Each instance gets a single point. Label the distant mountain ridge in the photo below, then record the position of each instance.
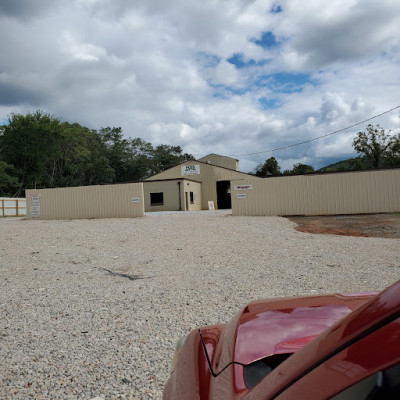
(351, 164)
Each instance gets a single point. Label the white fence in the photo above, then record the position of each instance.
(11, 207)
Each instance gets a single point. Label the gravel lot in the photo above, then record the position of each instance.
(76, 324)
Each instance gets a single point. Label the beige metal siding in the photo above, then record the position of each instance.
(221, 161)
(195, 188)
(327, 194)
(108, 201)
(213, 174)
(176, 172)
(170, 190)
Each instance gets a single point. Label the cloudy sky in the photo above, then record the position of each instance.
(232, 77)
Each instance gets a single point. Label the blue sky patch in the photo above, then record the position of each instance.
(267, 41)
(276, 9)
(238, 61)
(269, 103)
(226, 92)
(284, 82)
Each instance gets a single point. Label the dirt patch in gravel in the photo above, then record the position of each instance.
(369, 225)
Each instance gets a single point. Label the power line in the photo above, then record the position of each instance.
(316, 138)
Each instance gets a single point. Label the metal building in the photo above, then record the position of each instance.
(196, 184)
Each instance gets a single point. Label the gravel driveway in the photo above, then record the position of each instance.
(93, 308)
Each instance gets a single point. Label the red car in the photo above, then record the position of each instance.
(342, 346)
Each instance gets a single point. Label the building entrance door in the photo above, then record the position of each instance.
(224, 195)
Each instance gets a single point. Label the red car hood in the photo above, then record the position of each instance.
(282, 331)
(277, 326)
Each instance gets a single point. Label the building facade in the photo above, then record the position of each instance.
(172, 195)
(196, 184)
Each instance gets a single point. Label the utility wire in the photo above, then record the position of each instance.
(316, 138)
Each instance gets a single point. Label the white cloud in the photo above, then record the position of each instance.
(160, 70)
(341, 30)
(80, 51)
(333, 107)
(225, 74)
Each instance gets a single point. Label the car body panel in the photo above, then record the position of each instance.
(192, 365)
(257, 331)
(374, 313)
(283, 331)
(314, 328)
(354, 363)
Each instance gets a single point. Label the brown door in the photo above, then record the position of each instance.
(187, 200)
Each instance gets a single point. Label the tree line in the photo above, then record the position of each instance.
(39, 151)
(375, 147)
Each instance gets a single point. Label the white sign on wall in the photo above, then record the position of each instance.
(190, 170)
(135, 199)
(211, 206)
(241, 196)
(243, 187)
(34, 205)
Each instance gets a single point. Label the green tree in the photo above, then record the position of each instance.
(354, 164)
(83, 160)
(165, 156)
(31, 143)
(39, 151)
(377, 147)
(300, 169)
(393, 154)
(131, 159)
(270, 167)
(141, 153)
(116, 151)
(8, 182)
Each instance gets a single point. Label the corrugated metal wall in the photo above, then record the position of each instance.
(195, 188)
(210, 175)
(325, 194)
(108, 201)
(221, 161)
(171, 194)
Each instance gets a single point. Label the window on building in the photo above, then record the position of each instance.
(156, 199)
(191, 198)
